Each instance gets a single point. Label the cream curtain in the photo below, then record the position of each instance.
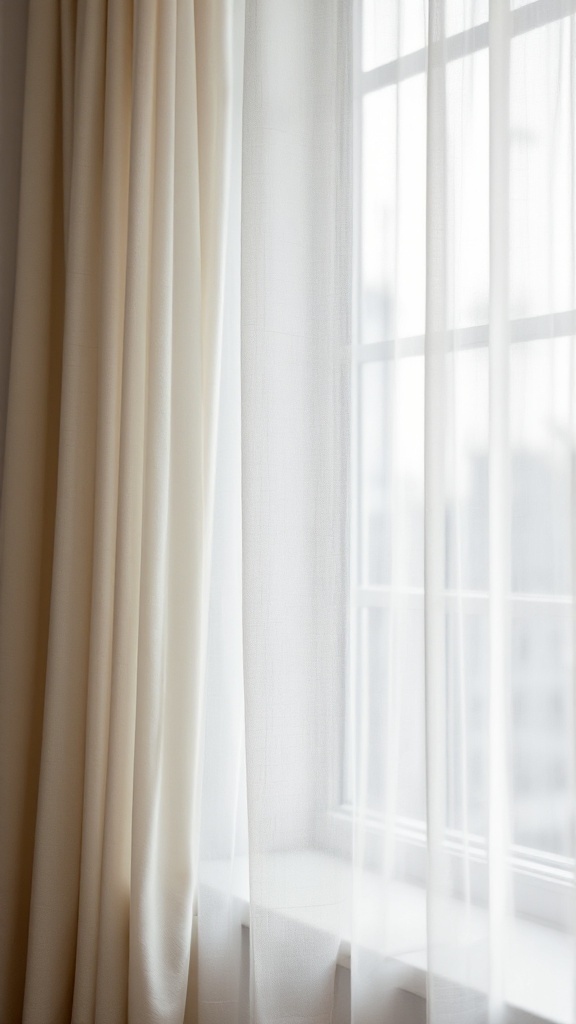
(107, 485)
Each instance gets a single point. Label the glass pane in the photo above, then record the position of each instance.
(468, 220)
(467, 716)
(394, 212)
(392, 749)
(541, 657)
(378, 215)
(467, 470)
(541, 229)
(540, 383)
(391, 498)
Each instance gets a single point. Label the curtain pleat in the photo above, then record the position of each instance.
(13, 26)
(294, 382)
(441, 939)
(97, 812)
(29, 487)
(499, 507)
(58, 832)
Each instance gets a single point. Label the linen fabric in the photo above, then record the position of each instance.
(105, 515)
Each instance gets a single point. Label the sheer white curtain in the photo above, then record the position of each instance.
(281, 625)
(392, 628)
(466, 415)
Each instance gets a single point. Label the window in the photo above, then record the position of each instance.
(388, 441)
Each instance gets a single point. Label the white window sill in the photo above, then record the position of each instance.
(539, 983)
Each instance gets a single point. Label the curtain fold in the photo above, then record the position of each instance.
(287, 383)
(107, 502)
(294, 380)
(13, 24)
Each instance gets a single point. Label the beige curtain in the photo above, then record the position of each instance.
(104, 535)
(13, 20)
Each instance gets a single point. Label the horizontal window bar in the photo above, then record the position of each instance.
(462, 44)
(528, 860)
(532, 328)
(380, 597)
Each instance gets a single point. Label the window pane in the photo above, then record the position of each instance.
(394, 212)
(378, 215)
(466, 716)
(540, 385)
(392, 472)
(468, 149)
(391, 742)
(467, 470)
(541, 228)
(541, 655)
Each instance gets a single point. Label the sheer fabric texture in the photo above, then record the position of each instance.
(389, 764)
(113, 353)
(286, 419)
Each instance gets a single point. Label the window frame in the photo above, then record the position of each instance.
(540, 879)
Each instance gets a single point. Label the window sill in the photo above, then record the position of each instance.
(539, 987)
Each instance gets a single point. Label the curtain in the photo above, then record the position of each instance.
(113, 360)
(466, 505)
(13, 20)
(279, 608)
(387, 820)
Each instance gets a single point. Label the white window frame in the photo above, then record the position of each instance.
(540, 879)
